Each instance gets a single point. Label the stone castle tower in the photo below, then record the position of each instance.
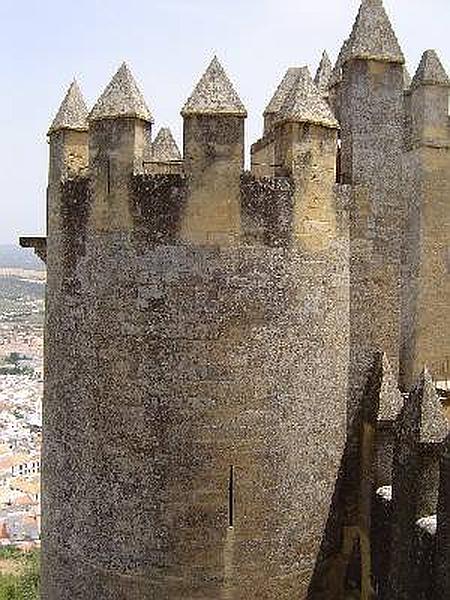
(224, 348)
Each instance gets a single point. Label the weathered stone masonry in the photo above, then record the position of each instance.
(222, 415)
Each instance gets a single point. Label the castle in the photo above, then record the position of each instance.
(243, 368)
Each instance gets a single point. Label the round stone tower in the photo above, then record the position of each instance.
(197, 355)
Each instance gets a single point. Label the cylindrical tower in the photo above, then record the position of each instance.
(196, 453)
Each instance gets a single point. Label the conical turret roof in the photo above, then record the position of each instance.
(323, 74)
(214, 94)
(121, 98)
(304, 104)
(289, 80)
(164, 148)
(72, 113)
(430, 71)
(372, 37)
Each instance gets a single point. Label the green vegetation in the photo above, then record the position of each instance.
(19, 574)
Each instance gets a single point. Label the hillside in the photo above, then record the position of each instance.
(15, 257)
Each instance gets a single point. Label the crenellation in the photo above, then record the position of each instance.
(163, 156)
(429, 103)
(235, 401)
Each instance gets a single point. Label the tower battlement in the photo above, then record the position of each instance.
(224, 348)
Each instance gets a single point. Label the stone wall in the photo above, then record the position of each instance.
(372, 136)
(426, 281)
(195, 400)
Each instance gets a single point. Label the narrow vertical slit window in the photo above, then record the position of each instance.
(231, 498)
(339, 160)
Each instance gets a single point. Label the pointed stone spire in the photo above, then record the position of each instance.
(323, 74)
(121, 98)
(372, 37)
(289, 80)
(434, 425)
(430, 71)
(214, 94)
(304, 104)
(336, 74)
(72, 113)
(164, 148)
(383, 400)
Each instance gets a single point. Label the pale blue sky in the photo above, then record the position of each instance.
(168, 44)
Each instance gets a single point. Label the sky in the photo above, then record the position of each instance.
(168, 44)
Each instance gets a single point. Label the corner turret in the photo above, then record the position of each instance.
(305, 149)
(429, 101)
(213, 159)
(426, 185)
(68, 141)
(119, 131)
(73, 113)
(289, 81)
(371, 114)
(263, 151)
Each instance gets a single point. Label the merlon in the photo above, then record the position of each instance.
(72, 113)
(304, 104)
(372, 37)
(164, 148)
(289, 80)
(121, 98)
(214, 94)
(430, 71)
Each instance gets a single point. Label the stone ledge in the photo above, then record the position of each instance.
(39, 245)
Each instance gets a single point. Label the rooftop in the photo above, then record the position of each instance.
(287, 83)
(373, 37)
(72, 113)
(305, 104)
(214, 94)
(430, 71)
(164, 148)
(121, 98)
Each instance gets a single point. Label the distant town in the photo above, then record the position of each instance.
(22, 282)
